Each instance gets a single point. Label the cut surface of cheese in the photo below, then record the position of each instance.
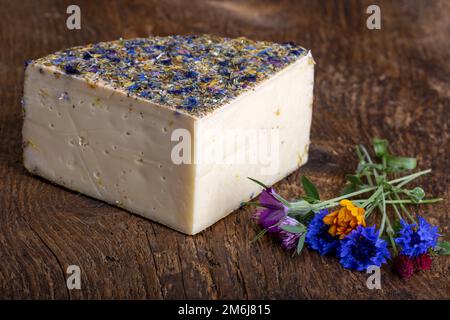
(169, 128)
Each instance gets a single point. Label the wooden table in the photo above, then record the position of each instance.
(391, 83)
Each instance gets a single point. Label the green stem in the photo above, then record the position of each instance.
(359, 202)
(373, 196)
(385, 218)
(324, 203)
(394, 247)
(369, 210)
(424, 201)
(397, 212)
(375, 174)
(406, 179)
(365, 190)
(390, 233)
(384, 166)
(384, 214)
(362, 158)
(410, 217)
(394, 202)
(403, 180)
(369, 160)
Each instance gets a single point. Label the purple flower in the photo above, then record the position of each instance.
(272, 216)
(288, 240)
(417, 239)
(272, 211)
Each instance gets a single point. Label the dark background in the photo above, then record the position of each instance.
(391, 83)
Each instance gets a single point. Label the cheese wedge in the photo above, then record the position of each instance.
(169, 128)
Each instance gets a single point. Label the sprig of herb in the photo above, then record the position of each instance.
(382, 191)
(373, 178)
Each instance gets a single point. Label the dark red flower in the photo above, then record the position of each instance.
(423, 262)
(404, 266)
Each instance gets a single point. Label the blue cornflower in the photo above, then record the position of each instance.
(133, 87)
(318, 237)
(363, 248)
(86, 55)
(71, 69)
(249, 77)
(112, 56)
(415, 240)
(191, 74)
(296, 52)
(166, 61)
(190, 102)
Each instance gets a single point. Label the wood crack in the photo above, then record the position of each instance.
(181, 269)
(53, 254)
(236, 265)
(154, 263)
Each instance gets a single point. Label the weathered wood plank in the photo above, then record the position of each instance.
(391, 82)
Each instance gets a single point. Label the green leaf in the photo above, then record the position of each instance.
(349, 188)
(398, 164)
(309, 199)
(258, 182)
(282, 200)
(301, 243)
(310, 188)
(294, 229)
(443, 248)
(393, 163)
(417, 194)
(380, 147)
(307, 217)
(354, 179)
(259, 235)
(371, 166)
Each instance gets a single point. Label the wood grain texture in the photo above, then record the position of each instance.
(391, 83)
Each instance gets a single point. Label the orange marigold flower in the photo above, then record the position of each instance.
(345, 220)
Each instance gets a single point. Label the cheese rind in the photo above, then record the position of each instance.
(97, 138)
